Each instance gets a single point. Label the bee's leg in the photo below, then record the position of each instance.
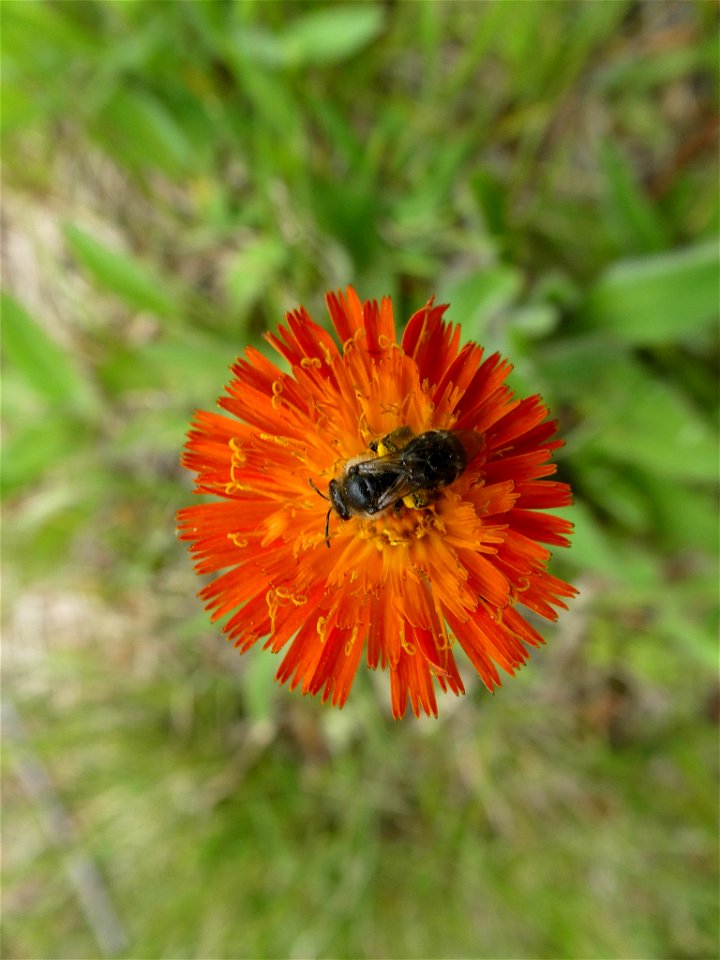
(418, 499)
(392, 442)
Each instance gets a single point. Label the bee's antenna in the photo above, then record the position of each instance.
(327, 518)
(316, 489)
(327, 528)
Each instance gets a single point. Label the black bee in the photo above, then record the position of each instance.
(408, 469)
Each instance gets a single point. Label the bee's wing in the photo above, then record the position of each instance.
(401, 487)
(390, 463)
(402, 484)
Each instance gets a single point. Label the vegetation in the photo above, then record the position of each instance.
(177, 176)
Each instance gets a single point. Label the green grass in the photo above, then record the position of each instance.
(176, 177)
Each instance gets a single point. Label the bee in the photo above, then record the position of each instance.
(407, 470)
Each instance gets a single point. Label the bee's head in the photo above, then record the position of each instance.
(338, 498)
(353, 494)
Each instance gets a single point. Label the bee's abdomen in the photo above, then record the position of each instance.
(436, 458)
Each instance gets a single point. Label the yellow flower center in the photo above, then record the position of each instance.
(401, 527)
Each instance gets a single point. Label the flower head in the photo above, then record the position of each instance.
(448, 559)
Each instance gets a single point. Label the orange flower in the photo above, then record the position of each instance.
(401, 587)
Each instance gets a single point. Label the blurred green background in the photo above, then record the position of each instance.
(176, 177)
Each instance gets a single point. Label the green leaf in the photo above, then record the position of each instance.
(478, 297)
(650, 424)
(648, 505)
(617, 492)
(273, 131)
(137, 128)
(657, 67)
(658, 299)
(350, 211)
(122, 274)
(637, 222)
(569, 366)
(688, 616)
(161, 431)
(324, 36)
(685, 517)
(45, 31)
(533, 321)
(44, 365)
(590, 548)
(259, 687)
(37, 448)
(593, 550)
(194, 366)
(490, 196)
(253, 270)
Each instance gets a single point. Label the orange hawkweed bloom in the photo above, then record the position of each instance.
(403, 588)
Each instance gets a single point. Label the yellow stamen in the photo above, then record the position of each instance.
(274, 438)
(272, 605)
(409, 648)
(351, 641)
(234, 538)
(238, 457)
(277, 389)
